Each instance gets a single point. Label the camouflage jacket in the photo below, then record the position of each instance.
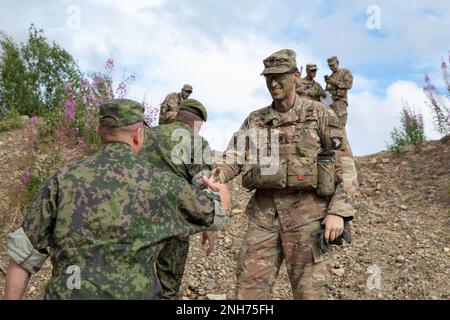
(108, 215)
(170, 107)
(309, 89)
(174, 147)
(309, 127)
(343, 82)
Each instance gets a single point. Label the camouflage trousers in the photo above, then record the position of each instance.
(170, 266)
(263, 252)
(340, 109)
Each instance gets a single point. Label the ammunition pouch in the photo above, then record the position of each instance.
(256, 178)
(326, 174)
(291, 174)
(302, 174)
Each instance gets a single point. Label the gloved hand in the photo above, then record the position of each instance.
(324, 246)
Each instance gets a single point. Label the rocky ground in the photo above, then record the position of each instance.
(401, 234)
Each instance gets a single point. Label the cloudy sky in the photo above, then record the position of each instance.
(218, 47)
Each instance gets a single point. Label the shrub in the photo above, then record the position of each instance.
(12, 120)
(411, 131)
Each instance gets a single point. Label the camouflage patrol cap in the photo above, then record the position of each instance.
(120, 112)
(332, 60)
(187, 87)
(311, 67)
(282, 61)
(195, 107)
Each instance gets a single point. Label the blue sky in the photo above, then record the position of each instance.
(218, 47)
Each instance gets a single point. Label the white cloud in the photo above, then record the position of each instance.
(371, 119)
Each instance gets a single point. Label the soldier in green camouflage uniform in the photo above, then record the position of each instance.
(177, 147)
(106, 217)
(338, 84)
(171, 104)
(308, 87)
(286, 207)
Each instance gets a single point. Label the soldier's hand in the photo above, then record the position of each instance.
(215, 175)
(334, 226)
(210, 237)
(224, 193)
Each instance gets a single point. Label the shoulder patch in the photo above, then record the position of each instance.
(334, 122)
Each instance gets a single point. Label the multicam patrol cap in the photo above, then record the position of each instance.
(195, 107)
(332, 60)
(187, 87)
(282, 61)
(311, 67)
(120, 112)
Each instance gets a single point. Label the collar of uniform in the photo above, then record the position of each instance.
(291, 115)
(117, 148)
(307, 80)
(184, 125)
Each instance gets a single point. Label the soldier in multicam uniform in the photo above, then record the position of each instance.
(308, 87)
(108, 216)
(190, 160)
(171, 104)
(338, 84)
(286, 207)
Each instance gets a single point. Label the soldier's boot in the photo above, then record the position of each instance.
(308, 268)
(258, 264)
(340, 109)
(170, 267)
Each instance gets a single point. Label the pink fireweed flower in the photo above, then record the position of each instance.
(68, 88)
(75, 131)
(69, 105)
(25, 177)
(33, 121)
(80, 143)
(96, 80)
(110, 64)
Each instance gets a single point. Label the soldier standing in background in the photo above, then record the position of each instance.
(308, 87)
(105, 218)
(171, 104)
(191, 163)
(291, 203)
(338, 84)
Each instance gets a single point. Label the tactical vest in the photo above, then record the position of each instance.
(300, 144)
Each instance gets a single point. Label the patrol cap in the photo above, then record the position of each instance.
(311, 67)
(332, 60)
(187, 87)
(120, 112)
(195, 107)
(282, 61)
